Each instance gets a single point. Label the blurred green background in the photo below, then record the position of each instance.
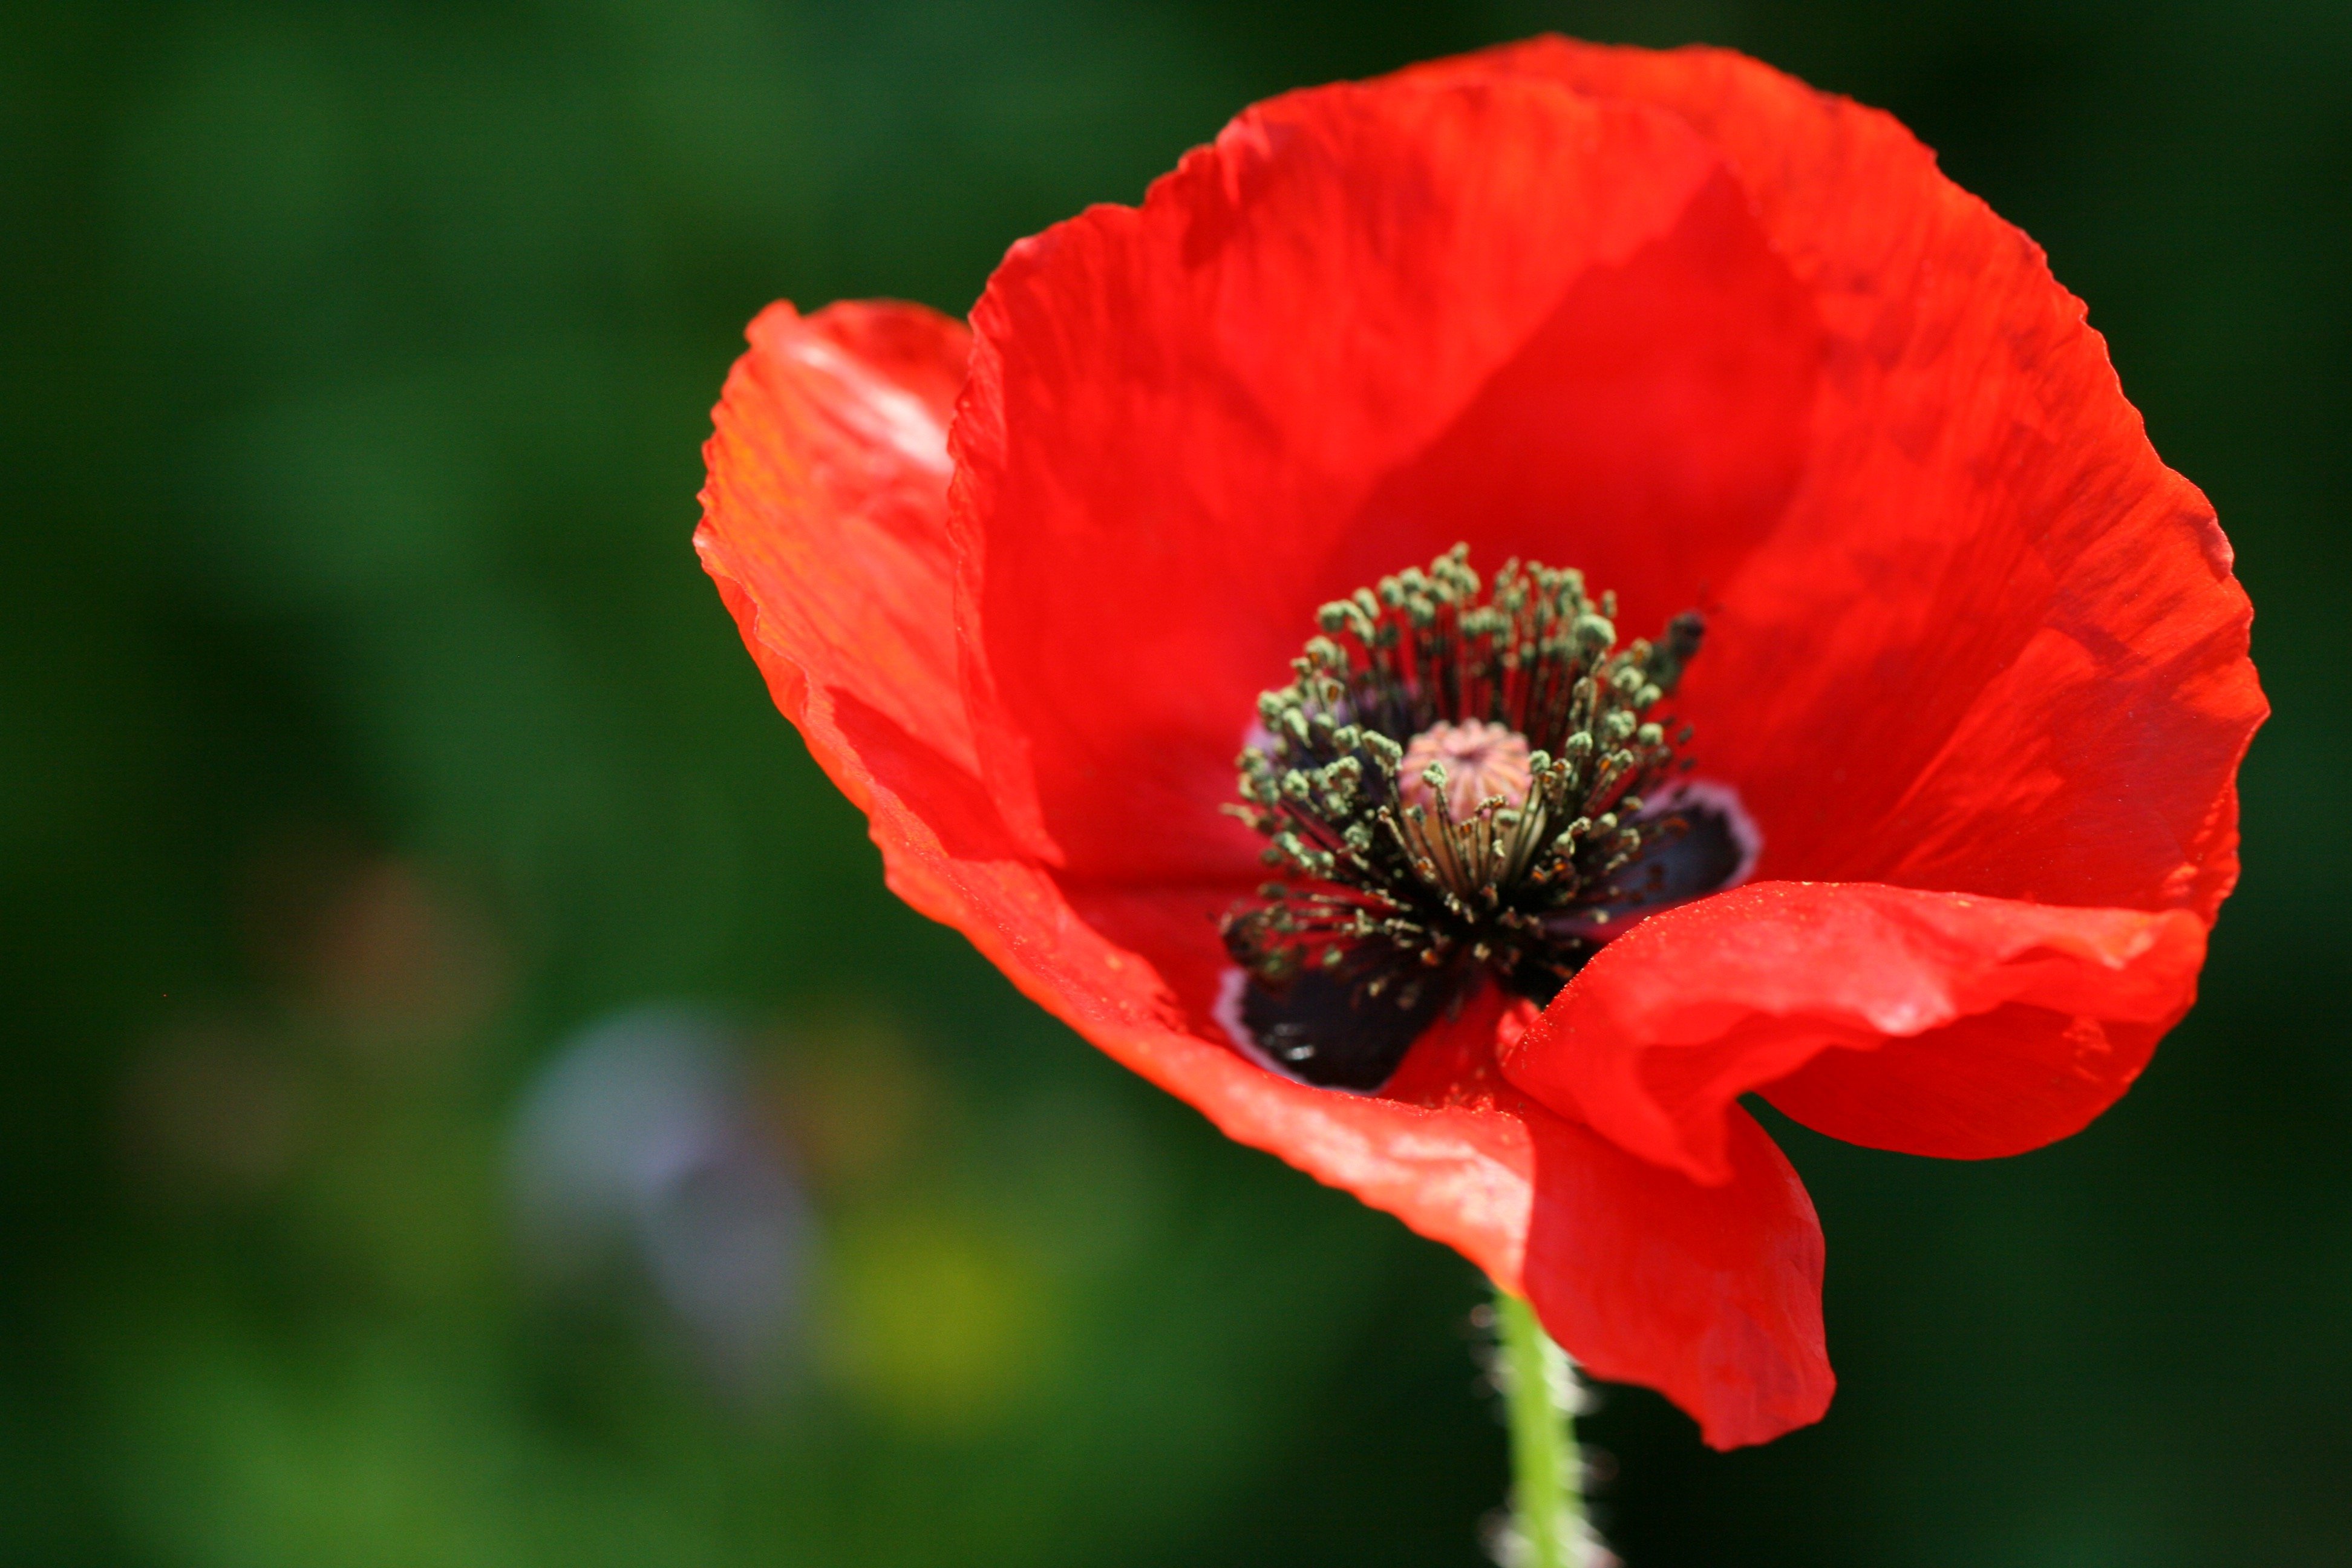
(389, 814)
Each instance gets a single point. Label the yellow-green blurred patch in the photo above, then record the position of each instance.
(932, 1323)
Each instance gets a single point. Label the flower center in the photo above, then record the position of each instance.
(1474, 761)
(1461, 783)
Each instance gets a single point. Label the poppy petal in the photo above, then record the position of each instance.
(1710, 1294)
(1181, 416)
(824, 527)
(1988, 604)
(1928, 1023)
(823, 512)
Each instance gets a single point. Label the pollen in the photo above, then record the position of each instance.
(1454, 789)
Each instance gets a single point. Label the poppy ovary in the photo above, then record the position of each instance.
(1456, 785)
(1463, 764)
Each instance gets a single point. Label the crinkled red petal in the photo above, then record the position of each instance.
(1932, 1023)
(824, 528)
(828, 471)
(1711, 1295)
(1993, 643)
(1191, 423)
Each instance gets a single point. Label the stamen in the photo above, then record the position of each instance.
(1452, 788)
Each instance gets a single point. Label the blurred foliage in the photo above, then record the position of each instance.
(367, 730)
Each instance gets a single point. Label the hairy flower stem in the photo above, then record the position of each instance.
(1547, 1474)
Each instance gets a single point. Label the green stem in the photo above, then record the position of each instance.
(1547, 1474)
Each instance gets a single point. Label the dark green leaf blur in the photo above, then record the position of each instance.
(469, 1099)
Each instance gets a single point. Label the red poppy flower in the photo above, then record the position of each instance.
(1966, 715)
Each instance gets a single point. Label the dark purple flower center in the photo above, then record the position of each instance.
(1463, 782)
